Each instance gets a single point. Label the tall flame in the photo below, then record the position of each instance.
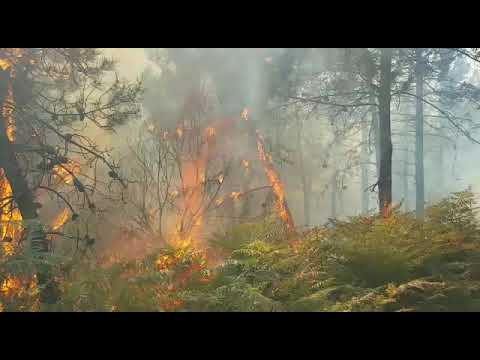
(10, 217)
(193, 177)
(276, 183)
(10, 58)
(7, 111)
(61, 219)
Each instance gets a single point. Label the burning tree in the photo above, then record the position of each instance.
(216, 159)
(51, 98)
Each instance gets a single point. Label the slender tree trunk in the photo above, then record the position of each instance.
(442, 183)
(307, 196)
(406, 199)
(25, 200)
(305, 178)
(334, 195)
(385, 178)
(341, 202)
(364, 169)
(419, 169)
(376, 134)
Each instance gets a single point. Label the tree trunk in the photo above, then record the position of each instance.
(334, 195)
(419, 170)
(25, 200)
(406, 200)
(378, 147)
(305, 178)
(364, 169)
(405, 181)
(385, 178)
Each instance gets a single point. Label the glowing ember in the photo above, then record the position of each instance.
(179, 131)
(172, 305)
(244, 114)
(235, 195)
(10, 286)
(210, 131)
(165, 262)
(246, 165)
(10, 58)
(66, 173)
(61, 219)
(277, 185)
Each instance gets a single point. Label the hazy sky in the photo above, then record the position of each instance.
(130, 61)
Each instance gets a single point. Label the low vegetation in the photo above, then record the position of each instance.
(363, 264)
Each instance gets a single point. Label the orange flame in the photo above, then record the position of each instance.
(7, 110)
(66, 173)
(179, 131)
(193, 177)
(10, 217)
(235, 195)
(276, 183)
(10, 286)
(61, 219)
(210, 131)
(11, 57)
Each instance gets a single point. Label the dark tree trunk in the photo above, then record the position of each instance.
(419, 169)
(385, 178)
(25, 200)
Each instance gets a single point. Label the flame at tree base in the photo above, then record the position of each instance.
(10, 217)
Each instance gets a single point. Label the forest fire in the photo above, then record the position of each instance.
(276, 183)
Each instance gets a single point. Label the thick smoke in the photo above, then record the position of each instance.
(240, 78)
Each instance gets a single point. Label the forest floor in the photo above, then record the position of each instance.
(367, 263)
